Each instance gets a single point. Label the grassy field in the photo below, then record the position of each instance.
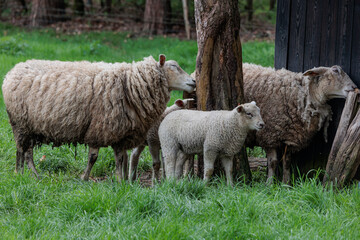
(60, 206)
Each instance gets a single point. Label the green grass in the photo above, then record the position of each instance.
(60, 206)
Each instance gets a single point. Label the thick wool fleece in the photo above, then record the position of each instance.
(99, 104)
(292, 115)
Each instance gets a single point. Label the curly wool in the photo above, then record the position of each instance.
(99, 104)
(288, 107)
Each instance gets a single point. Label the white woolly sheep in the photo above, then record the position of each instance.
(215, 134)
(293, 106)
(152, 140)
(98, 104)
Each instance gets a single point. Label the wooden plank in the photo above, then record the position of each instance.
(355, 48)
(345, 21)
(297, 36)
(328, 33)
(312, 34)
(282, 33)
(346, 118)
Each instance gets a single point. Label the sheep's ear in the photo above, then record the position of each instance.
(336, 69)
(179, 103)
(239, 109)
(315, 72)
(162, 59)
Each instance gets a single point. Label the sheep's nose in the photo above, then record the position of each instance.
(262, 125)
(194, 81)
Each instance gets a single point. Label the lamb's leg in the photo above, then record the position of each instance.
(286, 169)
(93, 155)
(179, 167)
(30, 161)
(227, 163)
(134, 161)
(154, 150)
(189, 166)
(170, 160)
(209, 160)
(272, 163)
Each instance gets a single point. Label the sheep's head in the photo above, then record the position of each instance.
(178, 78)
(250, 115)
(330, 82)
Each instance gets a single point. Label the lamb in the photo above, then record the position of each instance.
(215, 134)
(98, 104)
(152, 140)
(294, 107)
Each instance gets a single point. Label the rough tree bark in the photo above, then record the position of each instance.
(157, 16)
(344, 157)
(219, 63)
(45, 12)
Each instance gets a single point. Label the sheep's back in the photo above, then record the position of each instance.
(281, 97)
(83, 102)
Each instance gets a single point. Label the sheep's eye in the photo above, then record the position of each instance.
(249, 114)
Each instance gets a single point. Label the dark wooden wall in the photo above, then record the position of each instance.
(313, 33)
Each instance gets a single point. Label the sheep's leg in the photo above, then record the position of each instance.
(93, 155)
(30, 161)
(286, 169)
(20, 159)
(125, 166)
(209, 160)
(134, 161)
(179, 167)
(227, 163)
(120, 157)
(272, 163)
(154, 150)
(170, 160)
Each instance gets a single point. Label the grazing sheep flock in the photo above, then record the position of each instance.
(294, 107)
(98, 104)
(215, 134)
(152, 140)
(122, 105)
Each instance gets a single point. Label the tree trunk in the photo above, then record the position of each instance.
(79, 7)
(186, 18)
(272, 4)
(219, 63)
(344, 158)
(157, 17)
(45, 12)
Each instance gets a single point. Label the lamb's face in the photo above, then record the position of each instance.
(250, 115)
(178, 78)
(332, 82)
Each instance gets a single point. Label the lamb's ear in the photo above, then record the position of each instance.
(315, 72)
(239, 108)
(162, 59)
(179, 103)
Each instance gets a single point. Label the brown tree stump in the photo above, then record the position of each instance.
(344, 158)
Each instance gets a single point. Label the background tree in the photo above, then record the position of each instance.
(250, 9)
(79, 7)
(45, 12)
(157, 16)
(272, 4)
(219, 61)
